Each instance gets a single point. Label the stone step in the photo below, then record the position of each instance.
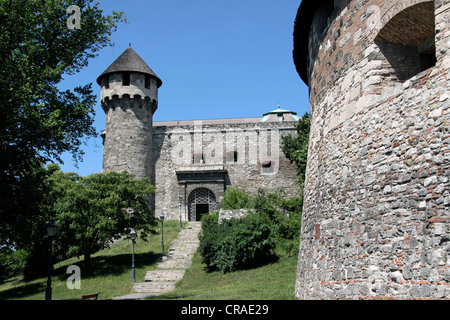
(156, 287)
(164, 275)
(176, 258)
(187, 237)
(182, 250)
(184, 247)
(184, 243)
(187, 242)
(172, 266)
(175, 264)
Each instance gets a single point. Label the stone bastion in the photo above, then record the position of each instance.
(376, 219)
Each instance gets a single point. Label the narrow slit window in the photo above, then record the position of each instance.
(126, 79)
(198, 158)
(107, 82)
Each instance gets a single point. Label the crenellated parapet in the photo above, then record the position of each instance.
(129, 98)
(126, 101)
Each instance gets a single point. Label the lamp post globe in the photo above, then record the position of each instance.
(51, 228)
(133, 235)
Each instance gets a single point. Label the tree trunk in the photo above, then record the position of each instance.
(87, 263)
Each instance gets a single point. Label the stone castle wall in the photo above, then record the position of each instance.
(376, 217)
(128, 144)
(202, 145)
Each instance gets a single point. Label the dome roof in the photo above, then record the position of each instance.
(130, 61)
(280, 115)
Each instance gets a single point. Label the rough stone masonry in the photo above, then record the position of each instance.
(191, 163)
(376, 219)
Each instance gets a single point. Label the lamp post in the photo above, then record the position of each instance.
(51, 231)
(162, 233)
(133, 239)
(181, 198)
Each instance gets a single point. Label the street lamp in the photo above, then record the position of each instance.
(181, 198)
(133, 239)
(162, 232)
(51, 231)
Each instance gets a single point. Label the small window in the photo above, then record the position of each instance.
(147, 82)
(107, 82)
(198, 158)
(232, 157)
(267, 166)
(126, 79)
(407, 40)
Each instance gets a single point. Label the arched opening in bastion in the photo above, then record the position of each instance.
(200, 202)
(407, 40)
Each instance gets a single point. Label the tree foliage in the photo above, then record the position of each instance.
(91, 211)
(296, 147)
(39, 121)
(235, 198)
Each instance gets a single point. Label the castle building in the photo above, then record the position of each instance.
(376, 216)
(191, 163)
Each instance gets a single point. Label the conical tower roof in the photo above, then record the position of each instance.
(130, 61)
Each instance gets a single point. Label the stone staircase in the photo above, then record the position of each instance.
(172, 266)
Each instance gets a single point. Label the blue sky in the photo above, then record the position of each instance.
(217, 59)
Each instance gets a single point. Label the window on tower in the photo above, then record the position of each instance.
(107, 82)
(126, 79)
(147, 82)
(407, 40)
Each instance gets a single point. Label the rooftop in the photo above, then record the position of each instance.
(302, 26)
(129, 60)
(276, 115)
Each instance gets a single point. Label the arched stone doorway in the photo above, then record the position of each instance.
(200, 201)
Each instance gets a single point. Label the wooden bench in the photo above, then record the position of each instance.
(93, 296)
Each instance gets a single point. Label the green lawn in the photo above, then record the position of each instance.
(273, 281)
(112, 275)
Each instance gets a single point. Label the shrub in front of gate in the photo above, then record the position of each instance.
(236, 244)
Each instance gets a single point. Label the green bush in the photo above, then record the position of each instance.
(12, 263)
(285, 214)
(236, 244)
(235, 198)
(287, 227)
(287, 223)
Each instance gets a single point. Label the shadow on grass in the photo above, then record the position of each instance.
(23, 291)
(254, 264)
(111, 265)
(101, 266)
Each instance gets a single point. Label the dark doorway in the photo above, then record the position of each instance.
(200, 202)
(201, 209)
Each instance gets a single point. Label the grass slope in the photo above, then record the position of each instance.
(273, 281)
(112, 275)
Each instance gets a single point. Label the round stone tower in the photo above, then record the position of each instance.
(129, 97)
(376, 216)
